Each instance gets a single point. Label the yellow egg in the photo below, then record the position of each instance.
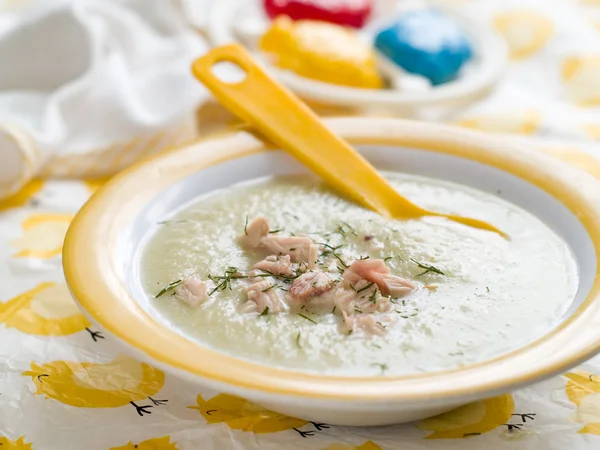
(321, 51)
(43, 235)
(525, 31)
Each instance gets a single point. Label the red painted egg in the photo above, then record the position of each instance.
(350, 13)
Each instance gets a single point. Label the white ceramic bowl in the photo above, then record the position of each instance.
(102, 255)
(481, 73)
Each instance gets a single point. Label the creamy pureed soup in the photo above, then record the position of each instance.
(284, 272)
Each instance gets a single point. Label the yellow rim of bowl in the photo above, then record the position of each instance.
(92, 269)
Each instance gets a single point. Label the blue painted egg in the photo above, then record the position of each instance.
(427, 43)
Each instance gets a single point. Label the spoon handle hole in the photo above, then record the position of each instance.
(228, 72)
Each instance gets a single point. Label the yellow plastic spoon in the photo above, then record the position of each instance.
(284, 119)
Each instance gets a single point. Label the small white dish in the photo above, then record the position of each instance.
(232, 21)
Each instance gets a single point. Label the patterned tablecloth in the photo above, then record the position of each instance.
(64, 385)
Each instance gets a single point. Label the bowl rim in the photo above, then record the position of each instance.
(89, 254)
(490, 48)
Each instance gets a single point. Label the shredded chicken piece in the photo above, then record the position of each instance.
(365, 269)
(300, 248)
(395, 286)
(365, 322)
(278, 265)
(310, 284)
(343, 300)
(376, 271)
(369, 325)
(254, 232)
(297, 247)
(348, 321)
(313, 256)
(192, 291)
(264, 294)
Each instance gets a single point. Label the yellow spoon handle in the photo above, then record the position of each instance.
(289, 123)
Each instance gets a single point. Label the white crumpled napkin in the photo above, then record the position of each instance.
(87, 87)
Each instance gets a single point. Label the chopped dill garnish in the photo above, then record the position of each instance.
(375, 345)
(291, 215)
(223, 282)
(350, 332)
(265, 311)
(284, 278)
(344, 265)
(362, 258)
(428, 268)
(333, 310)
(353, 288)
(335, 255)
(292, 249)
(388, 258)
(373, 297)
(246, 227)
(357, 310)
(383, 367)
(365, 288)
(298, 340)
(487, 288)
(329, 246)
(275, 231)
(269, 288)
(165, 222)
(306, 317)
(169, 287)
(342, 231)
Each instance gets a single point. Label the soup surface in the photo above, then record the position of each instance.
(466, 295)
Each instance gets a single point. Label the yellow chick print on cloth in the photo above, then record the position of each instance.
(240, 414)
(161, 443)
(517, 122)
(47, 310)
(117, 383)
(577, 158)
(526, 32)
(470, 420)
(93, 184)
(43, 235)
(19, 444)
(581, 78)
(369, 445)
(23, 196)
(583, 389)
(321, 51)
